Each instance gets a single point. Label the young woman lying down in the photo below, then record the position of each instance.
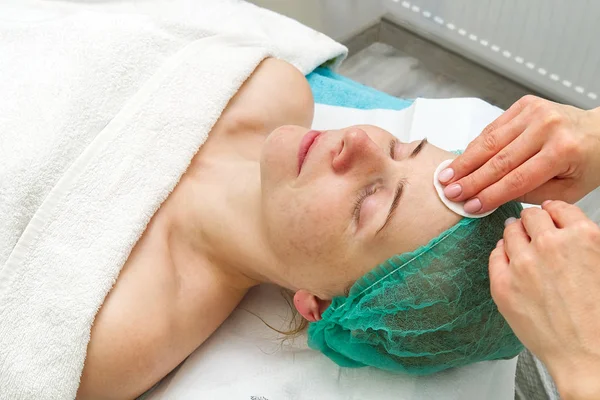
(347, 220)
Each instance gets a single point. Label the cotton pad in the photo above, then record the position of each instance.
(456, 206)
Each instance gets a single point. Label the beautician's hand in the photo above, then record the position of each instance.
(536, 150)
(545, 279)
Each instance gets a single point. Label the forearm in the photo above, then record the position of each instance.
(596, 111)
(594, 124)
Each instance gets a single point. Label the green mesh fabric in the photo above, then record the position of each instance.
(424, 311)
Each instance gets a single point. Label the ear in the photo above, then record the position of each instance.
(310, 306)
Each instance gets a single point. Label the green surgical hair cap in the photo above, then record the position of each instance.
(425, 311)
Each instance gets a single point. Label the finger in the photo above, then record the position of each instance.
(493, 138)
(515, 238)
(527, 177)
(498, 267)
(501, 164)
(536, 221)
(564, 214)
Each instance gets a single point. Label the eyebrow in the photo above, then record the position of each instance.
(418, 149)
(395, 202)
(400, 187)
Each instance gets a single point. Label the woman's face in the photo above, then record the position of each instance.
(337, 203)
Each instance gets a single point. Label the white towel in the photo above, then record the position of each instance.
(102, 108)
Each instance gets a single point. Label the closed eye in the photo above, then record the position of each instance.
(363, 194)
(394, 205)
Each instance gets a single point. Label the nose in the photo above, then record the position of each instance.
(357, 151)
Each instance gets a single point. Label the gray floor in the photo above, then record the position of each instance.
(390, 70)
(405, 65)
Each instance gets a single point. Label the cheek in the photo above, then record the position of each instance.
(306, 226)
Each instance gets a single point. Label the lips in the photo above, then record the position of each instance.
(305, 145)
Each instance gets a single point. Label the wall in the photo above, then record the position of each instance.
(339, 19)
(552, 46)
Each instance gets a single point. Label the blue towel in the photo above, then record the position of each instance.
(335, 90)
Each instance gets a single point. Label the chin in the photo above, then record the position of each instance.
(279, 154)
(294, 131)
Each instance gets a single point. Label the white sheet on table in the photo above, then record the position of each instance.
(245, 360)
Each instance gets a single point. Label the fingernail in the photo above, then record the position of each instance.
(446, 175)
(509, 221)
(472, 206)
(453, 190)
(546, 202)
(500, 243)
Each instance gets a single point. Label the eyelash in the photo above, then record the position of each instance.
(393, 148)
(361, 198)
(370, 190)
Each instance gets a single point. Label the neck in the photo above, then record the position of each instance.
(214, 221)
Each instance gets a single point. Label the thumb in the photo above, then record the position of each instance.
(499, 273)
(554, 189)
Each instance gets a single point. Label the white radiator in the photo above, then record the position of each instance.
(552, 46)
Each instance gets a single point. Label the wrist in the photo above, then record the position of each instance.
(595, 121)
(577, 379)
(593, 130)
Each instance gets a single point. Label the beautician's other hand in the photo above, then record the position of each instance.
(536, 150)
(545, 279)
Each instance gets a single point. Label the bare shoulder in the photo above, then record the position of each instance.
(129, 336)
(151, 320)
(275, 94)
